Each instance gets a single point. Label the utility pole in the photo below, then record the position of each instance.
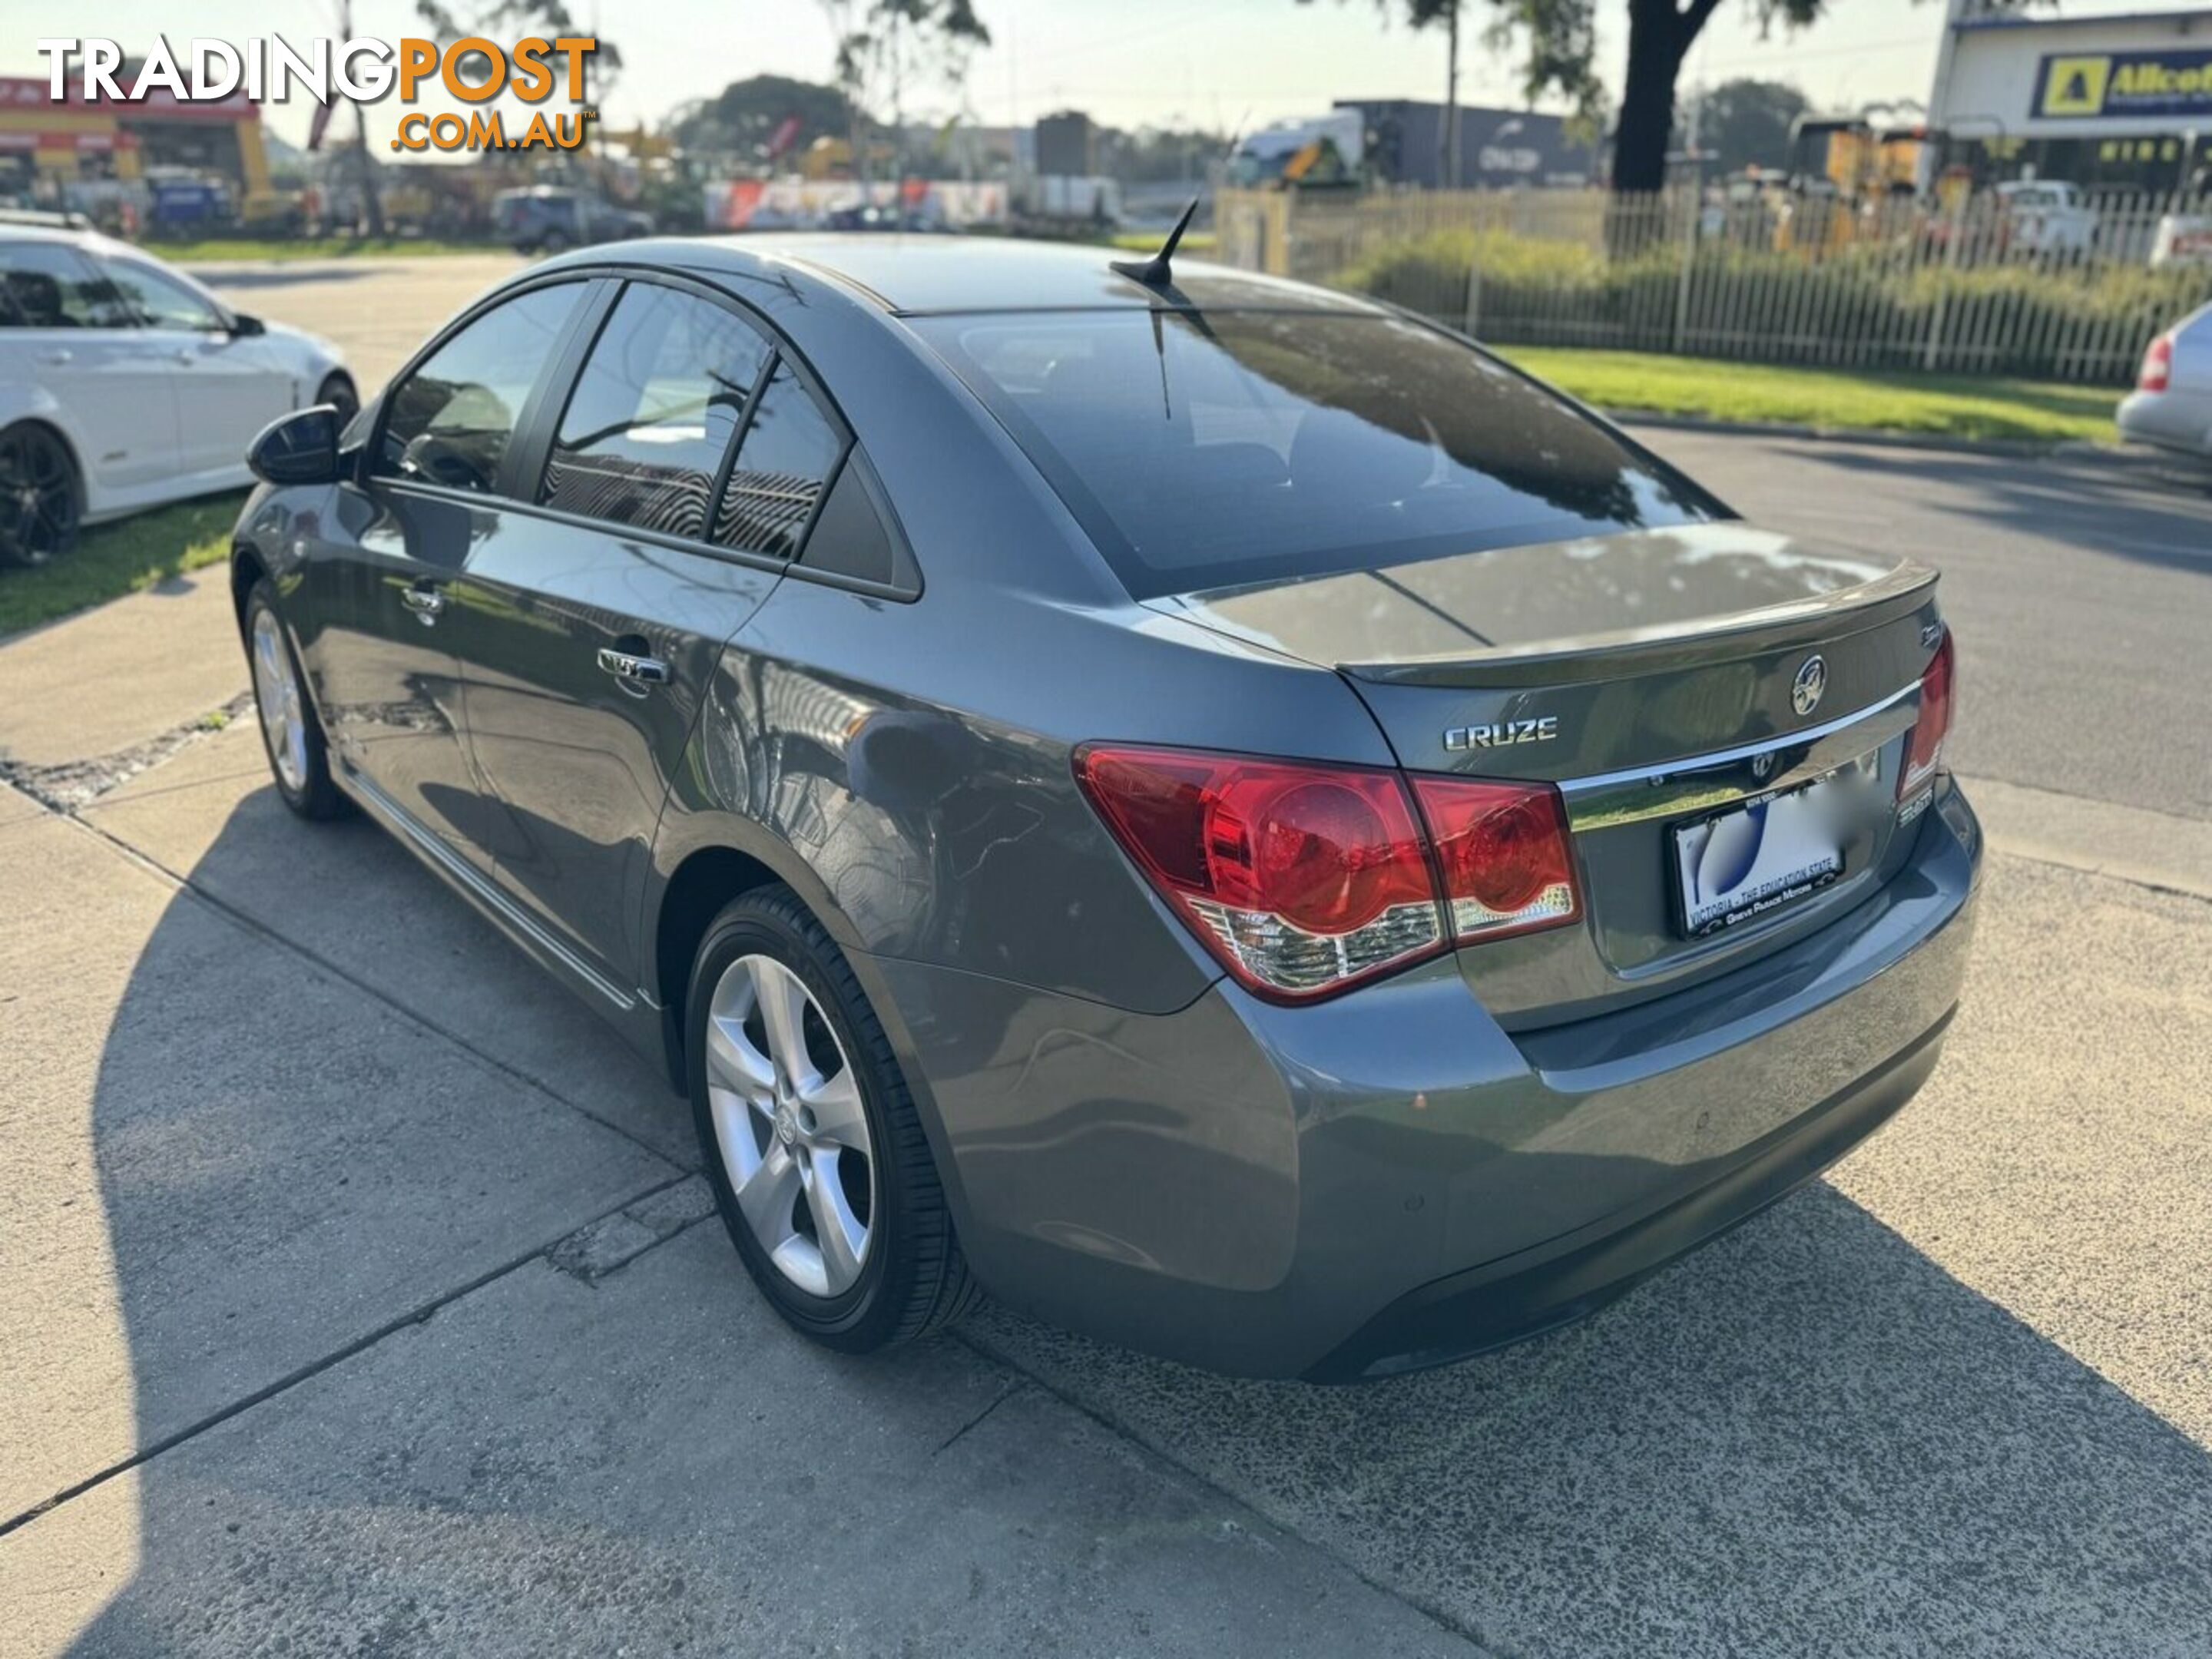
(372, 204)
(898, 114)
(1448, 160)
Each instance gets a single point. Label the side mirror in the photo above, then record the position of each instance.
(299, 449)
(245, 327)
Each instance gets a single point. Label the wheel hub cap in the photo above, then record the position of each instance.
(790, 1125)
(277, 693)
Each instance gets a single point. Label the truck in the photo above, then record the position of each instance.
(1303, 152)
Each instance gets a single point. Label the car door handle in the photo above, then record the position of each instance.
(59, 359)
(186, 355)
(424, 600)
(638, 671)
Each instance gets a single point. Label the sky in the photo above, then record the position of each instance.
(1229, 65)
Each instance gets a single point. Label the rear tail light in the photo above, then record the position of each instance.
(1502, 850)
(1305, 878)
(1924, 750)
(2157, 365)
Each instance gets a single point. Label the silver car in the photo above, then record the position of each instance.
(1213, 808)
(2171, 407)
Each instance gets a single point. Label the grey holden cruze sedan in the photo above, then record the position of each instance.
(1213, 808)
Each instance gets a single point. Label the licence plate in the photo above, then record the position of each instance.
(1752, 859)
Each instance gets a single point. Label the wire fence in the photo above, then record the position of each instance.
(2037, 281)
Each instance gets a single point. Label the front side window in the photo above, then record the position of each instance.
(642, 440)
(450, 422)
(790, 449)
(1206, 451)
(162, 301)
(48, 285)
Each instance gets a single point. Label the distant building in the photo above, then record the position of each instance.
(1496, 147)
(62, 150)
(1067, 144)
(2120, 101)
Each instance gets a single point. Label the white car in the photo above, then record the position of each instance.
(2046, 215)
(125, 384)
(2172, 406)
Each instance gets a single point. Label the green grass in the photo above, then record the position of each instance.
(237, 249)
(1951, 406)
(1148, 241)
(120, 558)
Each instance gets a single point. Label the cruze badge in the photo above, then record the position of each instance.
(1811, 680)
(1500, 734)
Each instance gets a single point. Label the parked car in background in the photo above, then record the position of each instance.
(187, 206)
(2182, 239)
(2171, 407)
(2046, 215)
(552, 219)
(126, 384)
(1210, 807)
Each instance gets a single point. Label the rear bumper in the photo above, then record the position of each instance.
(1390, 1180)
(1567, 1278)
(2180, 421)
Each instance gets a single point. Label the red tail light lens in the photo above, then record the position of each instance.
(1503, 853)
(1303, 879)
(1924, 751)
(2157, 365)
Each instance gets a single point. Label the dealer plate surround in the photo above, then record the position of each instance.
(1769, 852)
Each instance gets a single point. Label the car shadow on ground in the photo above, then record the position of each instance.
(2074, 503)
(285, 275)
(1807, 1439)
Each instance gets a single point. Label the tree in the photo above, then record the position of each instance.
(1746, 123)
(1561, 45)
(873, 37)
(744, 117)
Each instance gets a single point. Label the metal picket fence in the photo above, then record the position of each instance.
(2022, 282)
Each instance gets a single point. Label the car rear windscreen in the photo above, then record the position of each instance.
(1231, 447)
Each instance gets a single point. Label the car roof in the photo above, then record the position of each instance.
(14, 230)
(85, 241)
(909, 274)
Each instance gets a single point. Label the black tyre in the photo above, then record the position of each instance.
(337, 391)
(41, 500)
(553, 242)
(818, 1158)
(291, 732)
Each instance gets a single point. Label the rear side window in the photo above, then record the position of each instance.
(790, 449)
(47, 285)
(450, 422)
(1203, 451)
(162, 301)
(642, 440)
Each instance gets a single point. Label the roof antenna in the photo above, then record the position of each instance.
(1154, 272)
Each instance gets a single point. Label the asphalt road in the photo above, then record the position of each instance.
(360, 1294)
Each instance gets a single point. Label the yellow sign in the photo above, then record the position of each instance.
(2074, 86)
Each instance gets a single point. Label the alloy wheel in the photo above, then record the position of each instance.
(790, 1125)
(37, 497)
(276, 693)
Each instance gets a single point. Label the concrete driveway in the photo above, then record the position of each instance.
(363, 1294)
